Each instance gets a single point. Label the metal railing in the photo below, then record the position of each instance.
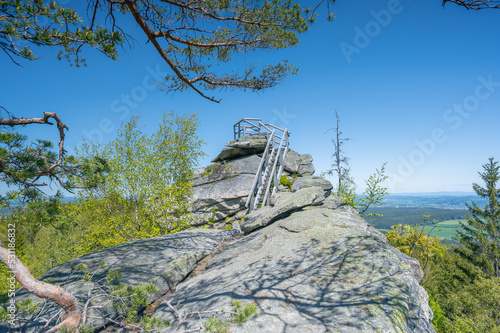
(268, 176)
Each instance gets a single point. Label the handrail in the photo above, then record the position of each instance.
(252, 127)
(258, 177)
(272, 162)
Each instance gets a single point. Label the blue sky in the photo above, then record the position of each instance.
(416, 85)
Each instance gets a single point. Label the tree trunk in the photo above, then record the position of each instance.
(41, 289)
(497, 273)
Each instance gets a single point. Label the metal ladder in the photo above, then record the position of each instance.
(268, 176)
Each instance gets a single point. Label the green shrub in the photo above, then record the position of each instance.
(285, 182)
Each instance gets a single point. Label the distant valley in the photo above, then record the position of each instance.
(446, 209)
(445, 200)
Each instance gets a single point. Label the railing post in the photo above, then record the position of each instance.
(260, 192)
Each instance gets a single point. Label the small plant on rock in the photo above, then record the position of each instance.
(241, 314)
(285, 182)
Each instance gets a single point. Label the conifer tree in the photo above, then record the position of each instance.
(481, 231)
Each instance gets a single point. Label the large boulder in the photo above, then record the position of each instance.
(286, 203)
(228, 154)
(244, 146)
(251, 142)
(300, 164)
(315, 270)
(312, 181)
(221, 190)
(163, 261)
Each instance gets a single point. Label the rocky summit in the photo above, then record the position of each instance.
(306, 262)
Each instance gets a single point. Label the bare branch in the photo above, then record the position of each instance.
(147, 30)
(56, 294)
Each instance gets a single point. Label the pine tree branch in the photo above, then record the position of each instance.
(54, 293)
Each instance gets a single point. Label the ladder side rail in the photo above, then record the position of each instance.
(258, 176)
(260, 187)
(265, 188)
(265, 176)
(266, 166)
(282, 160)
(266, 169)
(270, 179)
(255, 190)
(257, 185)
(274, 173)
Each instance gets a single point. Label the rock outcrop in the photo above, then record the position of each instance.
(308, 262)
(285, 203)
(312, 181)
(220, 190)
(316, 270)
(248, 145)
(300, 164)
(162, 261)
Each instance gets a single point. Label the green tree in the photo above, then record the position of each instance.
(145, 192)
(46, 23)
(416, 243)
(28, 168)
(192, 37)
(463, 302)
(480, 233)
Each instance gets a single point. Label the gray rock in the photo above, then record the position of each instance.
(236, 226)
(221, 190)
(220, 199)
(306, 170)
(333, 202)
(232, 153)
(220, 171)
(349, 209)
(292, 161)
(241, 214)
(299, 164)
(255, 142)
(312, 181)
(286, 202)
(163, 261)
(319, 270)
(283, 188)
(305, 159)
